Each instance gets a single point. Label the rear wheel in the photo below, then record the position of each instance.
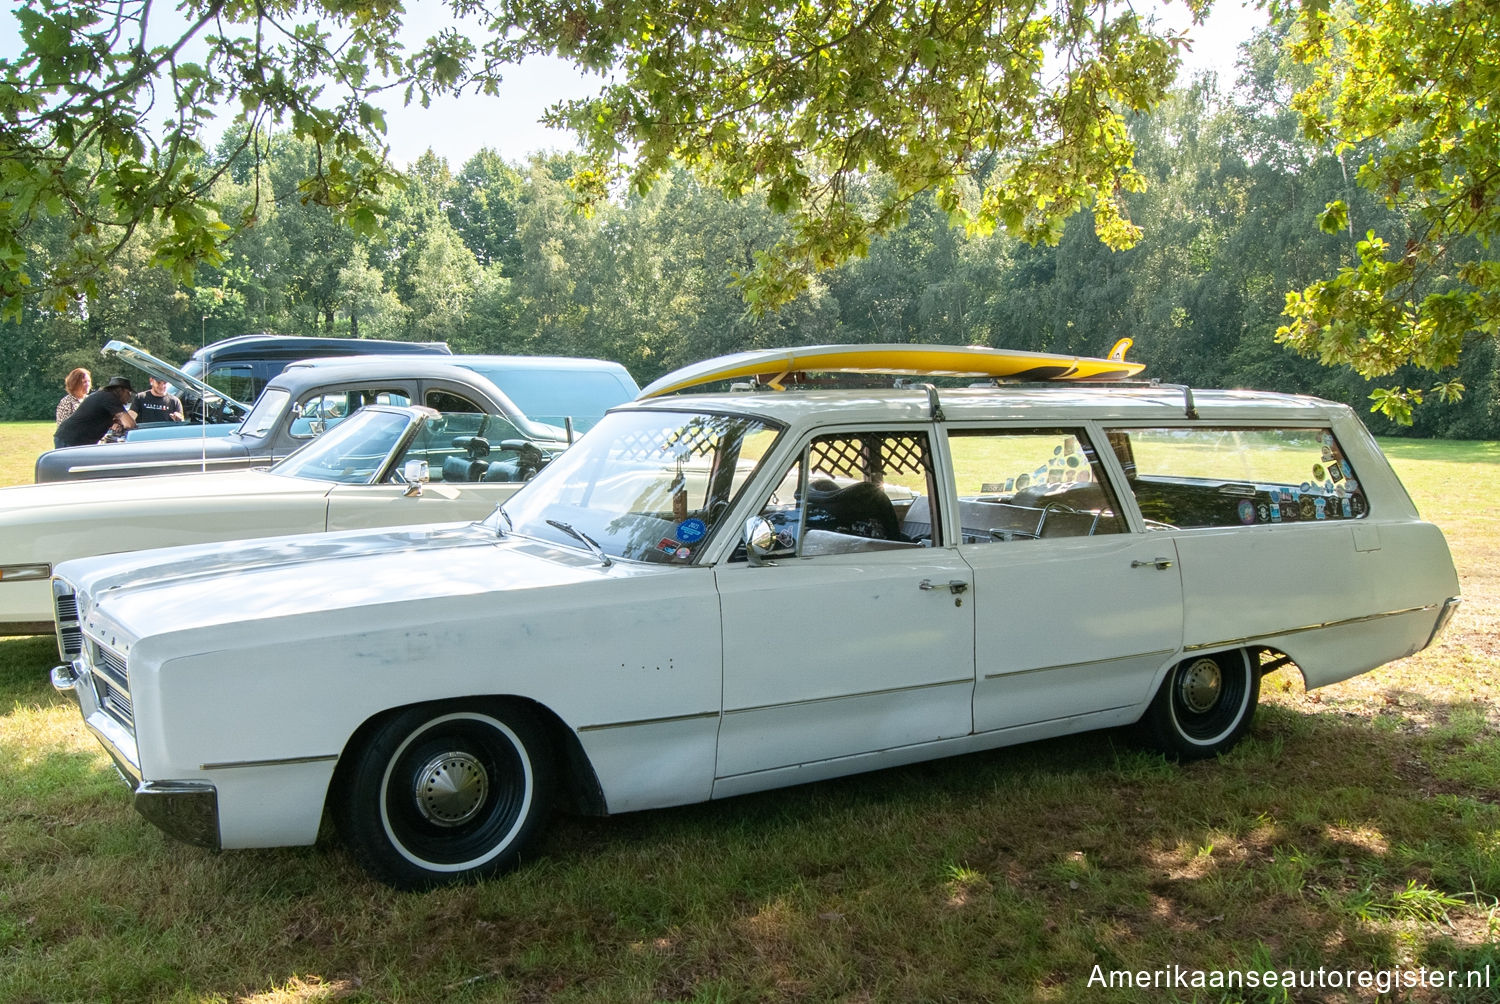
(446, 793)
(1204, 706)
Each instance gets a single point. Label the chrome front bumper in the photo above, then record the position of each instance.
(185, 810)
(65, 682)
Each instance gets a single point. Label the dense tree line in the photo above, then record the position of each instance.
(495, 257)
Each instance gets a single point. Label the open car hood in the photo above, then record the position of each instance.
(152, 366)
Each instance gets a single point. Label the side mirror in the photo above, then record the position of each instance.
(415, 473)
(760, 540)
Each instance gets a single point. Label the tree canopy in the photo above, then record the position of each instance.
(491, 257)
(1406, 92)
(789, 97)
(841, 115)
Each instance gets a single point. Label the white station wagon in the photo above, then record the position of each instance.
(713, 594)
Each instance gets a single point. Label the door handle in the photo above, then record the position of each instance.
(1159, 563)
(954, 586)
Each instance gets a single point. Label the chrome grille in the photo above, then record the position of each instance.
(115, 701)
(69, 631)
(112, 682)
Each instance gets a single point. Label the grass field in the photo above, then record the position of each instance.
(20, 442)
(1356, 829)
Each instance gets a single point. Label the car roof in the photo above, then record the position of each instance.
(1041, 403)
(312, 372)
(251, 343)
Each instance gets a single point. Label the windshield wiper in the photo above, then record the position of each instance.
(588, 542)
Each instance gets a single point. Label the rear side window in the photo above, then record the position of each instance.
(1028, 484)
(238, 382)
(1193, 477)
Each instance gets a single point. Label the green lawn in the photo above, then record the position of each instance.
(1357, 828)
(20, 443)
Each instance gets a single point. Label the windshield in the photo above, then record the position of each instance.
(552, 395)
(647, 486)
(351, 453)
(262, 417)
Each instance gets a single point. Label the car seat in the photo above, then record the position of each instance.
(861, 509)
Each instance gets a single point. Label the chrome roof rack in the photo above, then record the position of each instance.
(935, 407)
(1189, 407)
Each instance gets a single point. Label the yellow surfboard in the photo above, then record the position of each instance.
(772, 366)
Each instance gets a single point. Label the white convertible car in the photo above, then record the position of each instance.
(360, 474)
(712, 594)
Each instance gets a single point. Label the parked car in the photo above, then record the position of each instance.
(358, 475)
(542, 396)
(207, 410)
(710, 595)
(242, 366)
(216, 380)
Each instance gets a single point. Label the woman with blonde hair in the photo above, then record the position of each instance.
(77, 386)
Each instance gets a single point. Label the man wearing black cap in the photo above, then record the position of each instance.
(96, 413)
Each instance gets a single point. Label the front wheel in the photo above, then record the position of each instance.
(446, 793)
(1204, 705)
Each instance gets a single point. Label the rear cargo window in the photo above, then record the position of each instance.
(1207, 477)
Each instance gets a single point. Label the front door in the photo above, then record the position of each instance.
(858, 638)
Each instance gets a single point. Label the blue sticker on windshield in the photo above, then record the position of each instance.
(690, 531)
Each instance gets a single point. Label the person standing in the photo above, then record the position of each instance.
(96, 413)
(156, 405)
(77, 384)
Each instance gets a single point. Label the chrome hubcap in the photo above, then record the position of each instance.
(450, 788)
(1199, 686)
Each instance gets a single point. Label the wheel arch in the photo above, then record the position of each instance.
(579, 788)
(1263, 658)
(1268, 660)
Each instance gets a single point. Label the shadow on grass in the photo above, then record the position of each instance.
(1323, 840)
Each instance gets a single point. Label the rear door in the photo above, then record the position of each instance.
(1076, 613)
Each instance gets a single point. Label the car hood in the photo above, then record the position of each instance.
(44, 500)
(181, 588)
(153, 366)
